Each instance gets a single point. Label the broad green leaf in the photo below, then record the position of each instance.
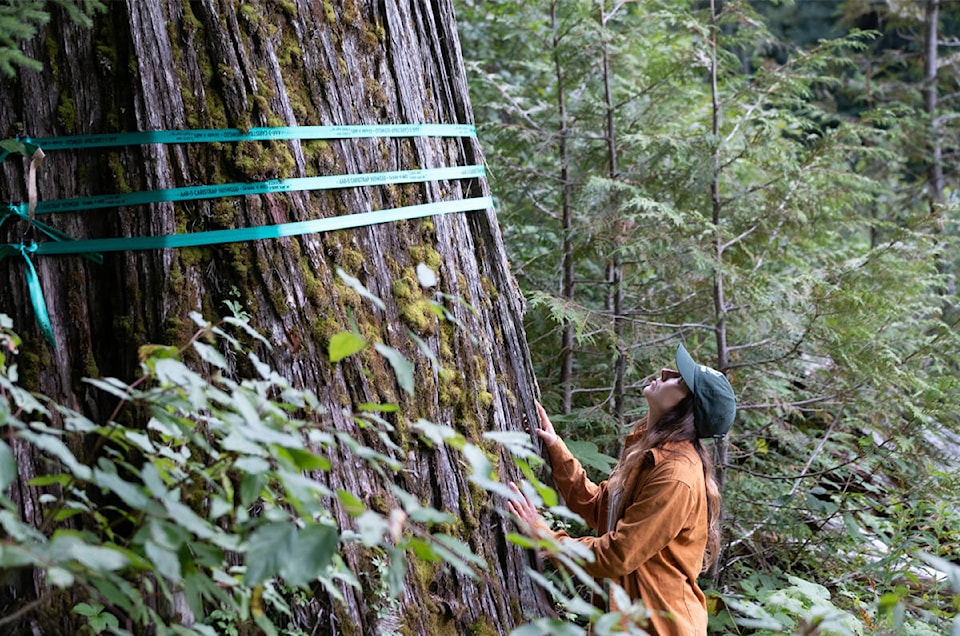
(343, 344)
(8, 467)
(461, 549)
(76, 423)
(452, 557)
(425, 350)
(303, 488)
(165, 560)
(522, 540)
(481, 471)
(436, 433)
(60, 577)
(351, 503)
(120, 593)
(418, 513)
(589, 455)
(423, 550)
(87, 609)
(153, 481)
(175, 373)
(237, 443)
(14, 146)
(219, 507)
(251, 487)
(382, 408)
(608, 623)
(197, 586)
(67, 545)
(518, 443)
(14, 556)
(312, 552)
(141, 440)
(187, 518)
(396, 571)
(58, 449)
(49, 480)
(304, 459)
(104, 622)
(252, 465)
(269, 548)
(852, 528)
(549, 627)
(129, 492)
(243, 324)
(402, 367)
(210, 355)
(168, 535)
(372, 526)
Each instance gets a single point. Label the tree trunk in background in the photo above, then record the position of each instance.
(935, 179)
(566, 205)
(930, 93)
(167, 64)
(719, 300)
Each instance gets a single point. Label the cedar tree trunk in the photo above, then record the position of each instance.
(172, 64)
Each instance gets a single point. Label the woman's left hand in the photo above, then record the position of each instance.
(526, 513)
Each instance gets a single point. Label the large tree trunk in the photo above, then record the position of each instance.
(171, 64)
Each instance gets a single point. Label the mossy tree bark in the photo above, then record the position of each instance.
(172, 64)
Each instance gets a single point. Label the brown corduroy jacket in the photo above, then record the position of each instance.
(655, 551)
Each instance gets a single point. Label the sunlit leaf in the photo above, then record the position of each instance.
(371, 526)
(351, 503)
(517, 442)
(210, 355)
(481, 471)
(426, 276)
(343, 344)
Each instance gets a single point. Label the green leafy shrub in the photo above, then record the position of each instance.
(214, 518)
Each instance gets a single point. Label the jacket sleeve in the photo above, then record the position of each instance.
(650, 522)
(581, 495)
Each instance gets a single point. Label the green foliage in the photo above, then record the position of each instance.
(223, 502)
(802, 607)
(838, 325)
(20, 20)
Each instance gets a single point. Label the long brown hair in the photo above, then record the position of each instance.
(674, 426)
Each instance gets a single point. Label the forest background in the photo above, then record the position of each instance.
(772, 183)
(775, 184)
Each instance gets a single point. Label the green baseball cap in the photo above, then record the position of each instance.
(714, 404)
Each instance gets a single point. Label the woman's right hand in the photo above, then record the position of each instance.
(544, 428)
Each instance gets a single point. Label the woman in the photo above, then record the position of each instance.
(656, 516)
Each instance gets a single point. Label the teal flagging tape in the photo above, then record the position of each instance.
(215, 237)
(36, 296)
(51, 232)
(257, 187)
(219, 236)
(108, 140)
(65, 244)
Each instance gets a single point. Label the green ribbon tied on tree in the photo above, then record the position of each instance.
(61, 243)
